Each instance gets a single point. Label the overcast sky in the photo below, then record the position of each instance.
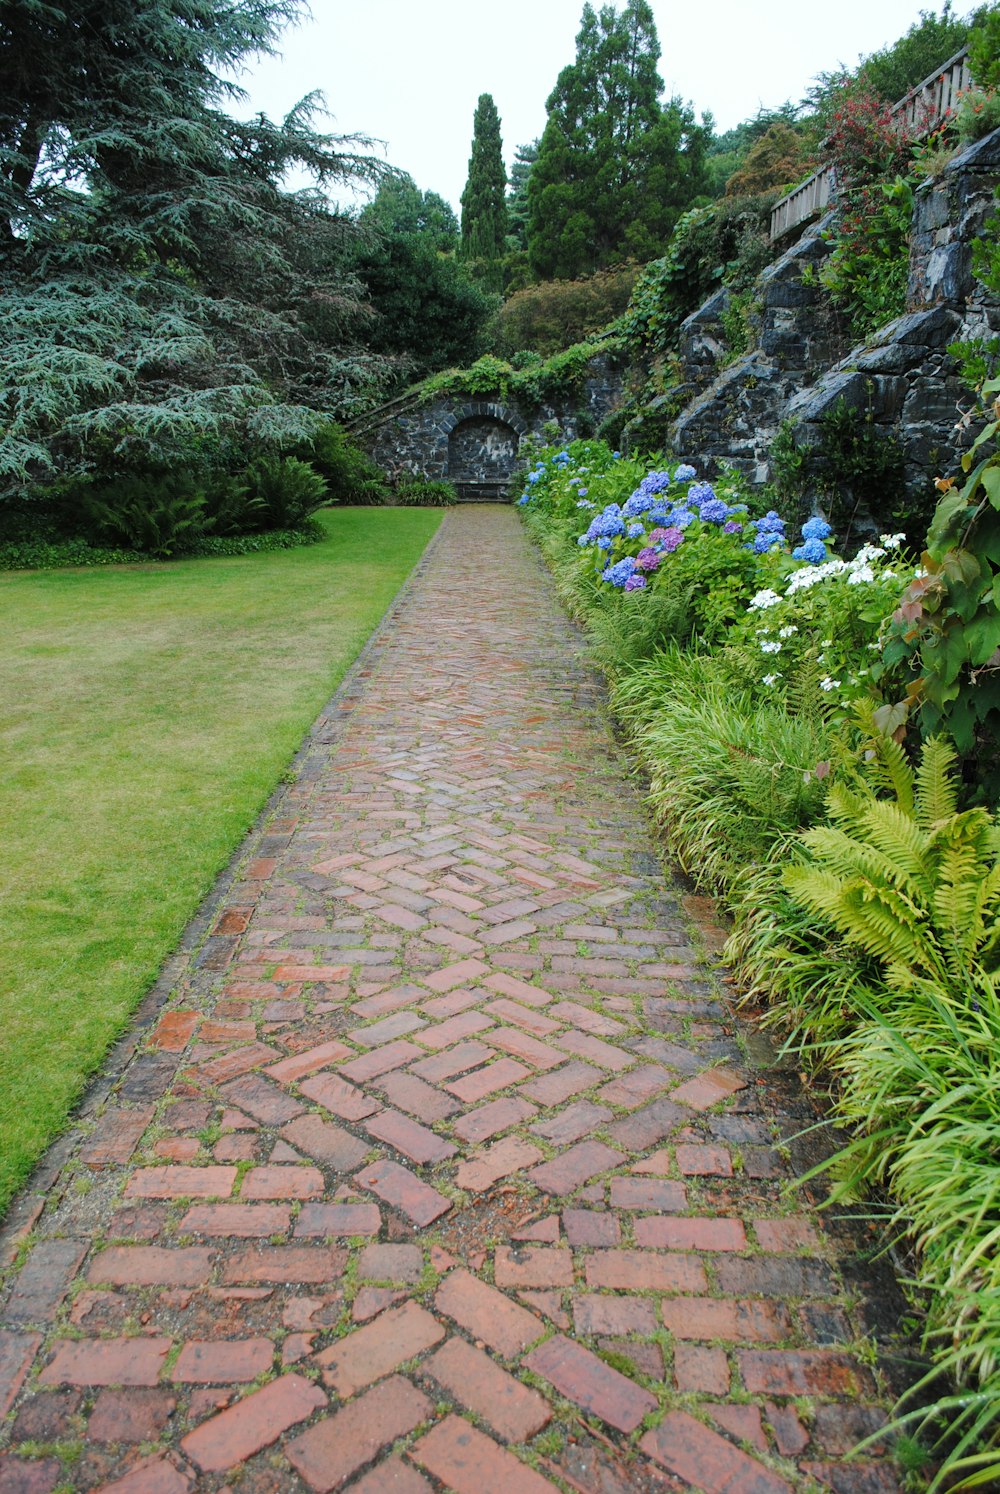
(409, 73)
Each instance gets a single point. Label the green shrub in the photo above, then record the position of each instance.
(154, 514)
(287, 489)
(425, 492)
(552, 315)
(351, 475)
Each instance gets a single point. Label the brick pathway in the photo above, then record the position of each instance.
(442, 1168)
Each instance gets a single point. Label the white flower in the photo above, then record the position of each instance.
(891, 541)
(765, 598)
(826, 683)
(860, 574)
(826, 643)
(770, 646)
(788, 631)
(867, 553)
(771, 679)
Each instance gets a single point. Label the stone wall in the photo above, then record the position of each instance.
(475, 443)
(801, 366)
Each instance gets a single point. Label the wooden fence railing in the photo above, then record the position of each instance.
(922, 108)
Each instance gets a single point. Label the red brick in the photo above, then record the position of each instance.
(691, 1234)
(457, 1060)
(588, 1227)
(790, 1436)
(487, 1314)
(227, 1032)
(791, 1372)
(249, 1221)
(796, 1236)
(409, 1137)
(43, 1281)
(384, 1002)
(595, 1050)
(629, 1091)
(222, 1361)
(455, 975)
(579, 1119)
(704, 1161)
(173, 1031)
(409, 1092)
(240, 1061)
(299, 1264)
(457, 1001)
(252, 1424)
(106, 1361)
(469, 1462)
(742, 1422)
(513, 1410)
(521, 1016)
(300, 1064)
(567, 1172)
(381, 1060)
(155, 1475)
(282, 1182)
(520, 990)
(29, 1475)
(746, 1321)
(184, 1149)
(17, 1350)
(333, 1220)
(181, 1182)
(590, 1383)
(151, 1265)
(339, 1097)
(489, 1120)
(327, 1454)
(645, 1271)
(699, 1368)
(262, 1099)
(523, 1045)
(285, 973)
(130, 1415)
(586, 1020)
(380, 1347)
(326, 1142)
(561, 1084)
(387, 1030)
(499, 1161)
(708, 1089)
(694, 1452)
(115, 1137)
(392, 1476)
(391, 1263)
(398, 1187)
(487, 1081)
(593, 1313)
(648, 1193)
(524, 1266)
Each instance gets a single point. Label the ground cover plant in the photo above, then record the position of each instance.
(150, 712)
(757, 673)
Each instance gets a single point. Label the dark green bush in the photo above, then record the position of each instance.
(154, 514)
(425, 492)
(350, 473)
(552, 315)
(288, 490)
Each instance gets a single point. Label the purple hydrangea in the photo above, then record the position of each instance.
(648, 559)
(671, 538)
(635, 583)
(732, 526)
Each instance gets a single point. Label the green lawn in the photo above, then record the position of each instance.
(147, 712)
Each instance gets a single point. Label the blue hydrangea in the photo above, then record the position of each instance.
(816, 529)
(606, 525)
(619, 573)
(765, 542)
(771, 523)
(714, 511)
(684, 472)
(680, 518)
(524, 498)
(634, 530)
(603, 542)
(814, 551)
(700, 492)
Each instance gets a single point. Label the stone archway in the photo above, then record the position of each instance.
(482, 442)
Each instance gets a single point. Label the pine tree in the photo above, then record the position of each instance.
(615, 168)
(159, 291)
(484, 201)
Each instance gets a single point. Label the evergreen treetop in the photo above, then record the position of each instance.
(484, 200)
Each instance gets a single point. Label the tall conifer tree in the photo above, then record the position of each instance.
(615, 168)
(484, 201)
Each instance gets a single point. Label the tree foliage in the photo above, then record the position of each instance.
(615, 167)
(159, 291)
(484, 202)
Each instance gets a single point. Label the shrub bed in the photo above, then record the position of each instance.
(862, 879)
